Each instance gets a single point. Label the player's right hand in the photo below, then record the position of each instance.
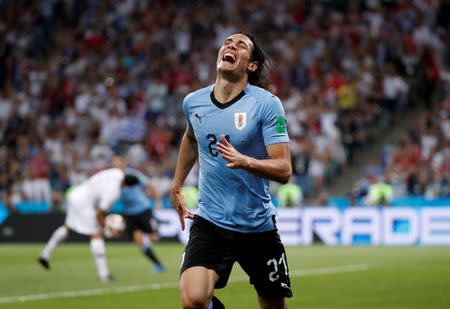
(180, 205)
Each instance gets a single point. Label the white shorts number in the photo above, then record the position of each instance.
(273, 276)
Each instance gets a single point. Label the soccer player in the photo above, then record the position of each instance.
(87, 205)
(238, 132)
(138, 214)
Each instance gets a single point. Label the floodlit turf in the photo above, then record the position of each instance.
(322, 277)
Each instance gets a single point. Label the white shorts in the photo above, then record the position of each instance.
(81, 213)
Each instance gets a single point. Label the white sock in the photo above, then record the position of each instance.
(58, 236)
(99, 252)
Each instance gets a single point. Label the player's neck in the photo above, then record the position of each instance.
(225, 90)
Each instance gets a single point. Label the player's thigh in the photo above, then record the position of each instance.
(197, 284)
(272, 303)
(208, 248)
(263, 257)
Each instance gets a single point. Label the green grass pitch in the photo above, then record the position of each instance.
(322, 277)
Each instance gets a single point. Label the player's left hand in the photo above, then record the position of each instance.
(234, 158)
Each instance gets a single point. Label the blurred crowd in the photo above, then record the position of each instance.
(83, 80)
(419, 165)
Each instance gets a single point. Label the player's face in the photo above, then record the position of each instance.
(234, 56)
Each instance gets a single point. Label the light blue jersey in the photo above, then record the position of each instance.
(133, 198)
(233, 198)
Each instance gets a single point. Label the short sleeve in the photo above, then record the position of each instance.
(186, 113)
(274, 125)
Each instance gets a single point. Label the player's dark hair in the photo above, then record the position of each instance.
(258, 78)
(130, 180)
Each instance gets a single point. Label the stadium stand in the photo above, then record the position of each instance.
(418, 167)
(82, 80)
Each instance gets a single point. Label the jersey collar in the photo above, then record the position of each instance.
(225, 105)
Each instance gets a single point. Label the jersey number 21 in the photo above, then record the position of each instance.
(212, 143)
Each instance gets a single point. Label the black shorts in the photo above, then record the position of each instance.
(261, 256)
(143, 221)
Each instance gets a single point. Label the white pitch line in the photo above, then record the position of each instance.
(158, 286)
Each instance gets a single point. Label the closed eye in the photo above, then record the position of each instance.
(242, 44)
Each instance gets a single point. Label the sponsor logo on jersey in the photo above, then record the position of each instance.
(240, 120)
(199, 117)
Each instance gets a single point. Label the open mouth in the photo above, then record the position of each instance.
(229, 57)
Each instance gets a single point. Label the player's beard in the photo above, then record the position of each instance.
(232, 76)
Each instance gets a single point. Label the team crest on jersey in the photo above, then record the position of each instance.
(240, 120)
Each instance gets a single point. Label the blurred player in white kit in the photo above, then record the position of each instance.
(87, 205)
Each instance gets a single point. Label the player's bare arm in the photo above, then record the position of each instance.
(186, 160)
(277, 167)
(154, 192)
